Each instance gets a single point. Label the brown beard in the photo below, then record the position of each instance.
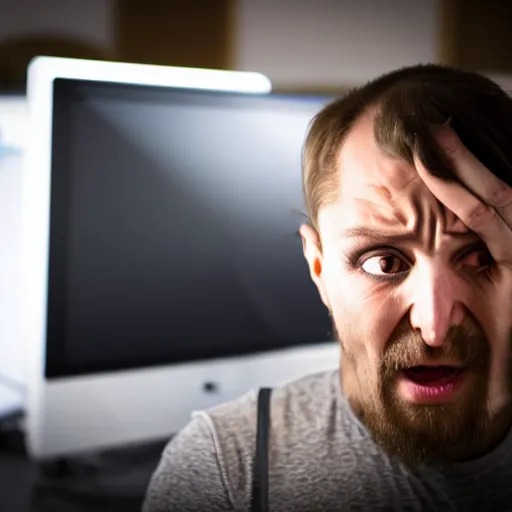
(432, 434)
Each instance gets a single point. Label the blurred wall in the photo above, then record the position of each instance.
(89, 20)
(66, 28)
(300, 44)
(322, 43)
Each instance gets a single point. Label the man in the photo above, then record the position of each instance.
(410, 246)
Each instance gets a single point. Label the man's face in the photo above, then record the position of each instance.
(422, 312)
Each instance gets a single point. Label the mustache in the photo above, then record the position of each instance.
(465, 345)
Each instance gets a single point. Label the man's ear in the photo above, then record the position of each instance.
(312, 249)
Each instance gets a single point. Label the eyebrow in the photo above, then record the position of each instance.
(367, 232)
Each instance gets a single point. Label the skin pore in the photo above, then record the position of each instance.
(408, 285)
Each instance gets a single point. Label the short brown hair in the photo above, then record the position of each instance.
(408, 102)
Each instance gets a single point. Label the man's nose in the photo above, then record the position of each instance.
(436, 306)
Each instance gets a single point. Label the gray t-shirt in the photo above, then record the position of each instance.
(321, 459)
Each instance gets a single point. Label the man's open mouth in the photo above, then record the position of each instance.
(432, 375)
(424, 384)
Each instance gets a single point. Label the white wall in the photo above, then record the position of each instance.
(88, 20)
(333, 42)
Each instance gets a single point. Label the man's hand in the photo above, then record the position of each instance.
(483, 202)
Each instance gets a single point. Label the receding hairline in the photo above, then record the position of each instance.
(330, 185)
(412, 99)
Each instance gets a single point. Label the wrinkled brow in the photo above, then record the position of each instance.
(396, 237)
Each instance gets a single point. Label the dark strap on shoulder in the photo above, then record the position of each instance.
(259, 497)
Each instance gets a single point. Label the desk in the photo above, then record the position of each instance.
(105, 482)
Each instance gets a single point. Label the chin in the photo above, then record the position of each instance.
(432, 433)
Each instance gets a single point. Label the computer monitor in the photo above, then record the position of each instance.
(164, 271)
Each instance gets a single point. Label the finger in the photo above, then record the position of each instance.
(475, 176)
(476, 214)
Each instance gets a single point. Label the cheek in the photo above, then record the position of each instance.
(365, 312)
(495, 316)
(500, 371)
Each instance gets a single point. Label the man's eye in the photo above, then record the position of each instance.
(478, 258)
(384, 265)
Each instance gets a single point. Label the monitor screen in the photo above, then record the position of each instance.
(174, 227)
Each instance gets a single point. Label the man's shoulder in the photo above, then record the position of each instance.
(309, 421)
(210, 461)
(305, 412)
(302, 400)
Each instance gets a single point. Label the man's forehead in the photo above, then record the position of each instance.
(366, 169)
(381, 192)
